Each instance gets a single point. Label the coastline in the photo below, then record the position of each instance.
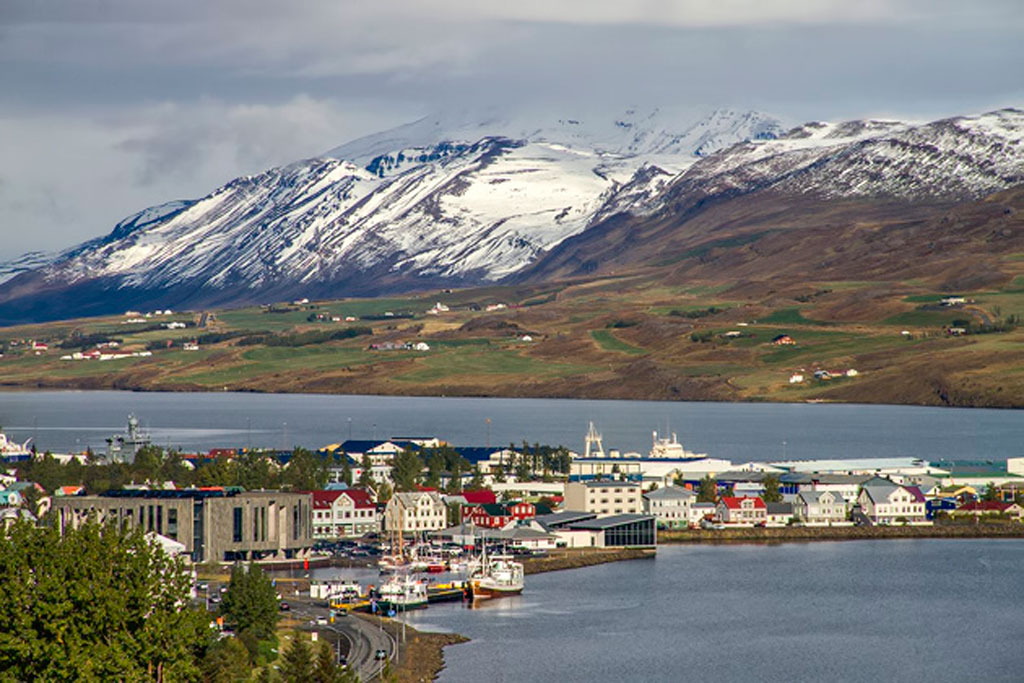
(846, 533)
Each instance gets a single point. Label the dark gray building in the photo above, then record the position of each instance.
(215, 526)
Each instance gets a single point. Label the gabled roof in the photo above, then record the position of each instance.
(736, 502)
(324, 499)
(361, 498)
(779, 508)
(670, 493)
(815, 496)
(879, 489)
(482, 497)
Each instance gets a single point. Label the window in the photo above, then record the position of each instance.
(236, 535)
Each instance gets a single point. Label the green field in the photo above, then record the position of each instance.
(609, 342)
(434, 367)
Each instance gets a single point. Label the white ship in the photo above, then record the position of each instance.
(12, 450)
(500, 576)
(402, 592)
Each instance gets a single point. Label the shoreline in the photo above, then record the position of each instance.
(811, 534)
(124, 387)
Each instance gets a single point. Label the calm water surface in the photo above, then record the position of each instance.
(65, 421)
(929, 610)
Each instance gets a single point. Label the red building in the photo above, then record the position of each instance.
(497, 515)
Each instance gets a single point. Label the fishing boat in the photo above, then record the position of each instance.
(499, 577)
(402, 593)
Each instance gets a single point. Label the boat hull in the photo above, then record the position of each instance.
(386, 605)
(482, 591)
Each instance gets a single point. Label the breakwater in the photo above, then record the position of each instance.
(583, 557)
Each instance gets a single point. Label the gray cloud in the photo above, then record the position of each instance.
(110, 106)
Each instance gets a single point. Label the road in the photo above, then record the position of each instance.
(355, 638)
(362, 640)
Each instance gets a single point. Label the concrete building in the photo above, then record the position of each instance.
(338, 514)
(670, 506)
(587, 530)
(214, 526)
(603, 497)
(414, 512)
(661, 471)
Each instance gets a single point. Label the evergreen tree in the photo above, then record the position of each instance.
(297, 666)
(346, 469)
(366, 475)
(477, 482)
(384, 492)
(250, 603)
(406, 468)
(771, 489)
(708, 491)
(324, 669)
(227, 661)
(306, 471)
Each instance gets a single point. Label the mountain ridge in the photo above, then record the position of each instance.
(456, 212)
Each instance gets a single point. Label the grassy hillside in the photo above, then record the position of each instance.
(638, 336)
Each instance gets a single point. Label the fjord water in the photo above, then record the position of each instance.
(71, 420)
(934, 610)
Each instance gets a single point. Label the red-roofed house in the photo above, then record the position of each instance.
(481, 497)
(741, 510)
(989, 507)
(348, 512)
(497, 515)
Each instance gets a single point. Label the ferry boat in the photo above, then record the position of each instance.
(402, 593)
(500, 576)
(12, 451)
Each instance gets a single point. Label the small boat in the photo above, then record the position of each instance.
(500, 576)
(402, 593)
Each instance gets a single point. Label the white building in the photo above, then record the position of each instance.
(343, 513)
(884, 502)
(415, 511)
(660, 471)
(820, 507)
(670, 505)
(701, 511)
(603, 497)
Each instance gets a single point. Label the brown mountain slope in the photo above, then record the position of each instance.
(766, 236)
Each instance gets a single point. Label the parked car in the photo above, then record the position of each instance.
(284, 606)
(321, 621)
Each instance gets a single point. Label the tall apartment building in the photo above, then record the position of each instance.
(604, 497)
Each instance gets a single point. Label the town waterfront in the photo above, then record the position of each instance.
(66, 421)
(932, 610)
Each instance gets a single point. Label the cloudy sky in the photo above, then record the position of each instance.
(109, 106)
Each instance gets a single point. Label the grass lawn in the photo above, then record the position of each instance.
(609, 342)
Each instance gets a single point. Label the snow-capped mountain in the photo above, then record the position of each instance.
(474, 198)
(26, 262)
(445, 199)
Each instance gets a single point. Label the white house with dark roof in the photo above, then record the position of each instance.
(885, 502)
(778, 514)
(816, 507)
(415, 511)
(670, 505)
